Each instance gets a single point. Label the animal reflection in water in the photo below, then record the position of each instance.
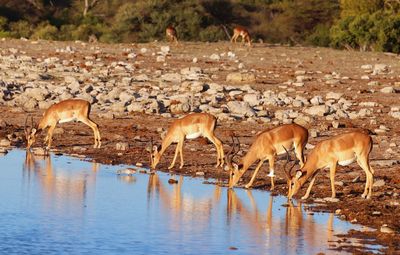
(59, 189)
(264, 227)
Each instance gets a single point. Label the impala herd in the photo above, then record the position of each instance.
(342, 149)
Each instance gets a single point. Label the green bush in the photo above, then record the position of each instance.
(45, 31)
(212, 34)
(21, 28)
(320, 36)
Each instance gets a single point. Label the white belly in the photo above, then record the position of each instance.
(66, 120)
(193, 135)
(346, 162)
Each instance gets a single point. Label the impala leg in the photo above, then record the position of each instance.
(298, 149)
(181, 154)
(332, 172)
(309, 188)
(218, 145)
(96, 132)
(178, 147)
(49, 136)
(369, 177)
(248, 185)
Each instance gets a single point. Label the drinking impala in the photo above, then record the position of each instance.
(190, 127)
(343, 150)
(267, 146)
(64, 111)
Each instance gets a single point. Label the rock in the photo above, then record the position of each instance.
(180, 108)
(215, 57)
(302, 120)
(160, 59)
(141, 78)
(252, 99)
(3, 151)
(165, 49)
(3, 123)
(171, 77)
(356, 179)
(241, 108)
(335, 124)
(317, 110)
(380, 69)
(135, 107)
(339, 183)
(384, 162)
(388, 90)
(172, 181)
(333, 95)
(121, 146)
(373, 83)
(366, 67)
(330, 199)
(379, 183)
(200, 173)
(128, 171)
(5, 143)
(385, 229)
(376, 213)
(317, 100)
(313, 133)
(240, 77)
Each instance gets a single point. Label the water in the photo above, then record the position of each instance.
(61, 205)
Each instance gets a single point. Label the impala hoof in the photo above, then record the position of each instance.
(247, 186)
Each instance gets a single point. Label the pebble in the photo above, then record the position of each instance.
(128, 171)
(172, 181)
(385, 229)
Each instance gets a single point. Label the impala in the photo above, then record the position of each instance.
(240, 31)
(343, 150)
(190, 127)
(267, 146)
(171, 34)
(64, 111)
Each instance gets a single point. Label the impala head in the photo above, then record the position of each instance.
(234, 168)
(154, 154)
(30, 133)
(292, 180)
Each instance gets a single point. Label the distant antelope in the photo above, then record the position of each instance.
(189, 127)
(171, 34)
(267, 146)
(64, 111)
(343, 150)
(243, 32)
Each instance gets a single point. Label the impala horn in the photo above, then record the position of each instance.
(288, 172)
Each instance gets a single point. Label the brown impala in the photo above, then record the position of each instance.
(343, 150)
(190, 127)
(242, 32)
(266, 146)
(171, 34)
(64, 111)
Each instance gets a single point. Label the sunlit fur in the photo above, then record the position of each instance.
(243, 33)
(202, 124)
(64, 111)
(327, 154)
(171, 34)
(267, 146)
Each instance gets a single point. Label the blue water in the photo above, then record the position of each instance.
(61, 205)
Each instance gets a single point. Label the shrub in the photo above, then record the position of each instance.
(45, 31)
(21, 28)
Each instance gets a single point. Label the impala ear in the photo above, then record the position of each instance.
(298, 174)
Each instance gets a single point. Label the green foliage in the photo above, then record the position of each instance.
(358, 24)
(21, 28)
(45, 31)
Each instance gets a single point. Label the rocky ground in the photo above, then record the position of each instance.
(137, 90)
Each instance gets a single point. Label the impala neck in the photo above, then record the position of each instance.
(248, 159)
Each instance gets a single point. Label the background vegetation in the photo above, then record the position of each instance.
(355, 24)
